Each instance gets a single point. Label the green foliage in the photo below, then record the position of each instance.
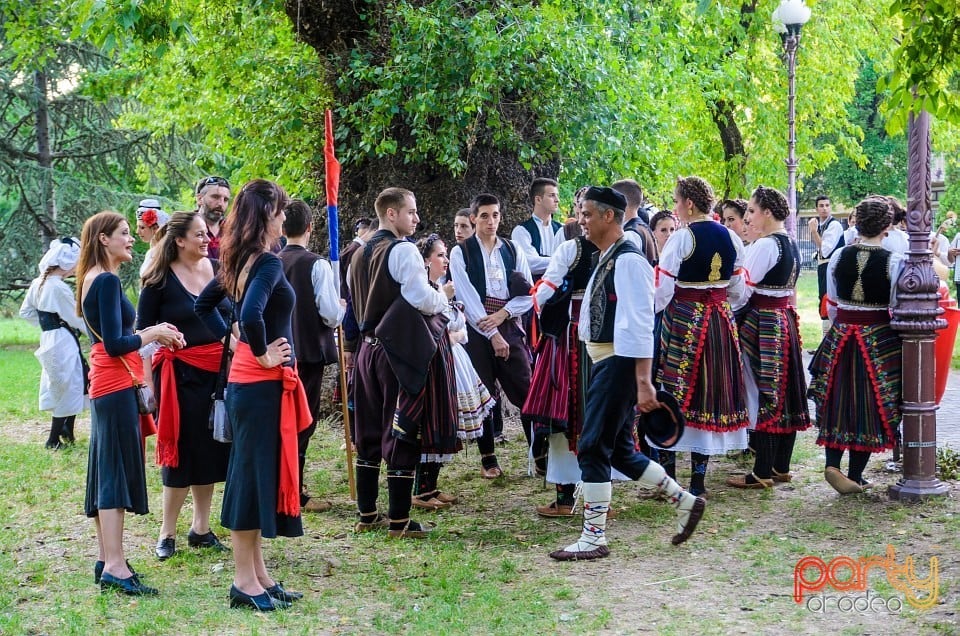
(926, 64)
(232, 78)
(883, 169)
(948, 463)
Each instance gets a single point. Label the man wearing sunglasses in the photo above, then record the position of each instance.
(213, 195)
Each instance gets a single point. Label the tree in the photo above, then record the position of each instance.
(61, 158)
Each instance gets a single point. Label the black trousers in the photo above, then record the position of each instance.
(607, 436)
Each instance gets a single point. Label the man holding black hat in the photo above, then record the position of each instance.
(616, 323)
(213, 195)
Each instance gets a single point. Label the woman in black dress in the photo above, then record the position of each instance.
(190, 459)
(265, 399)
(115, 471)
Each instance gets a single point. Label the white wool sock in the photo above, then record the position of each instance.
(656, 477)
(596, 505)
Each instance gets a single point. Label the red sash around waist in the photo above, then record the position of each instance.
(870, 317)
(294, 417)
(205, 357)
(707, 295)
(108, 375)
(770, 302)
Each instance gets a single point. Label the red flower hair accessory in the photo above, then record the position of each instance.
(149, 218)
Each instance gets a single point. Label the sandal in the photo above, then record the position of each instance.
(494, 472)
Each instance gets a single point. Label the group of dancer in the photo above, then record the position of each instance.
(593, 329)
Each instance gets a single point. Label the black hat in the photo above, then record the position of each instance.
(663, 426)
(607, 196)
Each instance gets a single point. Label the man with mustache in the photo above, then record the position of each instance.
(213, 195)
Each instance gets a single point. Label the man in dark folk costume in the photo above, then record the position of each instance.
(317, 312)
(616, 323)
(392, 299)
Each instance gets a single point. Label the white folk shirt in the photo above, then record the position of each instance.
(677, 249)
(405, 266)
(325, 295)
(560, 263)
(760, 258)
(549, 241)
(633, 324)
(496, 280)
(897, 241)
(830, 237)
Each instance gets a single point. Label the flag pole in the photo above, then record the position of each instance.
(332, 181)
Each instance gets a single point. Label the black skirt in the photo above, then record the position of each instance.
(203, 460)
(253, 474)
(116, 477)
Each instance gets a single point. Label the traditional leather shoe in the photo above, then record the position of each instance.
(749, 482)
(130, 586)
(556, 510)
(597, 553)
(98, 570)
(261, 602)
(428, 502)
(445, 498)
(379, 523)
(494, 472)
(208, 540)
(166, 547)
(840, 482)
(410, 530)
(696, 513)
(316, 505)
(782, 478)
(280, 594)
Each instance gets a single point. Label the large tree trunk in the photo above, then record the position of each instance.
(334, 28)
(734, 155)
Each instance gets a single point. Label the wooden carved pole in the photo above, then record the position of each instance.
(916, 317)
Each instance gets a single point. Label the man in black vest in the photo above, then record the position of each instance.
(616, 324)
(493, 282)
(317, 312)
(635, 226)
(539, 236)
(387, 269)
(826, 232)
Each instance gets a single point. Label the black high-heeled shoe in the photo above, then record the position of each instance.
(130, 586)
(98, 570)
(261, 602)
(278, 593)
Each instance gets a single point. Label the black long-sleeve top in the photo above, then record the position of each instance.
(172, 303)
(265, 310)
(108, 311)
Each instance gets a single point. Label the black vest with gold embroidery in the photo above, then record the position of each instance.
(783, 275)
(714, 255)
(603, 294)
(863, 276)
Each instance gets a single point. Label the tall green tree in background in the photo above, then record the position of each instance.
(61, 156)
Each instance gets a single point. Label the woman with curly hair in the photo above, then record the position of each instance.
(698, 280)
(855, 373)
(770, 341)
(265, 399)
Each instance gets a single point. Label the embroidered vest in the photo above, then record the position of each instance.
(473, 260)
(374, 290)
(784, 274)
(603, 294)
(555, 313)
(863, 276)
(532, 226)
(713, 258)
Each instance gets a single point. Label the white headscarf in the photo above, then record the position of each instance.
(63, 253)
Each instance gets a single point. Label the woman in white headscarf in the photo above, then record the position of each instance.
(50, 304)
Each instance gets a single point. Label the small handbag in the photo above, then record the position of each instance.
(219, 423)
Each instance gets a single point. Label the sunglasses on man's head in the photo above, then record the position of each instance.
(209, 181)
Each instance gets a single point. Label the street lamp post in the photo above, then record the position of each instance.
(917, 317)
(788, 20)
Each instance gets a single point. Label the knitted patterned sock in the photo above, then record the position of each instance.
(596, 505)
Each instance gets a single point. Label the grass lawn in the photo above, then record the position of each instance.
(485, 570)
